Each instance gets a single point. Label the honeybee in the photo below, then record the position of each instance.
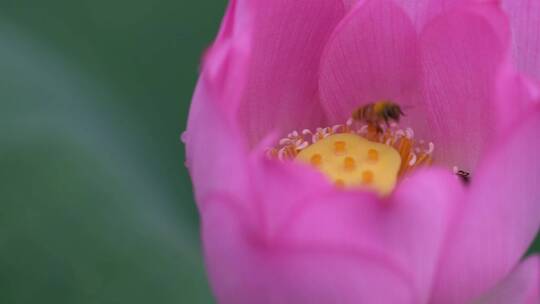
(374, 114)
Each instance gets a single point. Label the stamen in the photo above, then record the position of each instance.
(285, 141)
(363, 130)
(353, 162)
(431, 148)
(423, 159)
(409, 132)
(303, 145)
(412, 160)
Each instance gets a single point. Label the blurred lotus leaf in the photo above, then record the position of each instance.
(96, 205)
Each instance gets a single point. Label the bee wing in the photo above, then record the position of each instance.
(407, 108)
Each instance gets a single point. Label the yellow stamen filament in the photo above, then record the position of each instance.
(423, 159)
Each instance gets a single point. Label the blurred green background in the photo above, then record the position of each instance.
(96, 206)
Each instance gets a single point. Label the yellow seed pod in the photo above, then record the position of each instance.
(350, 161)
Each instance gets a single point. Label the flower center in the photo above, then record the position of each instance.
(350, 160)
(357, 155)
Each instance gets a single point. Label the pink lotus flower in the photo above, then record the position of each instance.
(279, 232)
